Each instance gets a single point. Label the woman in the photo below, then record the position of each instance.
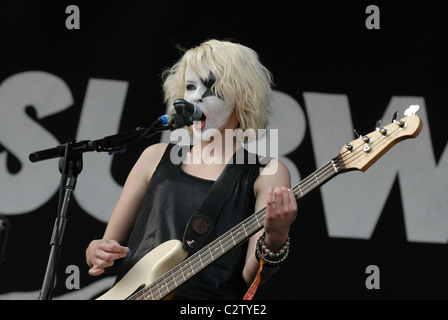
(233, 90)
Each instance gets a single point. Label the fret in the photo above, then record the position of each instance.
(244, 228)
(225, 239)
(316, 179)
(300, 188)
(183, 275)
(262, 217)
(194, 264)
(149, 294)
(222, 248)
(174, 278)
(166, 285)
(253, 225)
(211, 254)
(258, 222)
(233, 239)
(334, 166)
(191, 268)
(160, 293)
(320, 176)
(200, 259)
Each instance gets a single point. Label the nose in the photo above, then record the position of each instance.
(197, 96)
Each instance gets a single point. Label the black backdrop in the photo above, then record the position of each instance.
(309, 47)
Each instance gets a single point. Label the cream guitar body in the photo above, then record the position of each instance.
(152, 266)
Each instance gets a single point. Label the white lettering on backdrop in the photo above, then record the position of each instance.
(352, 202)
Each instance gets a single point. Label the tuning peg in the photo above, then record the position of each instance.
(395, 116)
(378, 124)
(379, 128)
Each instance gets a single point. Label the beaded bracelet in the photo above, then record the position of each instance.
(270, 258)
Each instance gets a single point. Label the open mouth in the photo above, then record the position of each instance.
(199, 125)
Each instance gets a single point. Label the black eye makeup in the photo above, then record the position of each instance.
(208, 83)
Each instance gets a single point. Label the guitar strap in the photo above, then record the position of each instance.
(201, 223)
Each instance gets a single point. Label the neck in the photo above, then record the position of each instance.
(218, 149)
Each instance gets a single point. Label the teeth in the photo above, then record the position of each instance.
(199, 124)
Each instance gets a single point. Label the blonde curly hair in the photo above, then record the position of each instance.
(240, 77)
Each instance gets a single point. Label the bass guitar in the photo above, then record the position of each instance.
(161, 271)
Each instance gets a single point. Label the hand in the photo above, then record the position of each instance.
(101, 254)
(281, 211)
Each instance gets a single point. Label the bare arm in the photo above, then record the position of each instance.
(102, 253)
(278, 220)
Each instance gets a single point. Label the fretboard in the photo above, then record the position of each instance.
(171, 280)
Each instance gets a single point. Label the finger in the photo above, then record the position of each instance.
(270, 199)
(114, 247)
(278, 197)
(292, 200)
(102, 263)
(109, 256)
(289, 199)
(285, 197)
(95, 271)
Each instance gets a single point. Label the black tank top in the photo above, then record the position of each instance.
(172, 197)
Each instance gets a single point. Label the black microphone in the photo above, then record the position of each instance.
(186, 113)
(189, 111)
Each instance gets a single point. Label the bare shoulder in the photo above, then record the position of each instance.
(149, 159)
(154, 152)
(275, 174)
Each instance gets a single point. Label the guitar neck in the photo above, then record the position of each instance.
(231, 239)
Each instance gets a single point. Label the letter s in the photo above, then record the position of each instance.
(35, 183)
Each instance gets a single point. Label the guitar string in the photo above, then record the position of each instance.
(340, 160)
(375, 143)
(351, 154)
(198, 261)
(349, 157)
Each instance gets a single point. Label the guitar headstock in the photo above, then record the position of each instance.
(363, 152)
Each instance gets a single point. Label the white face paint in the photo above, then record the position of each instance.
(217, 111)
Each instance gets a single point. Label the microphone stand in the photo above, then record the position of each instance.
(4, 230)
(70, 166)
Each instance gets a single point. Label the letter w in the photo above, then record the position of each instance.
(354, 201)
